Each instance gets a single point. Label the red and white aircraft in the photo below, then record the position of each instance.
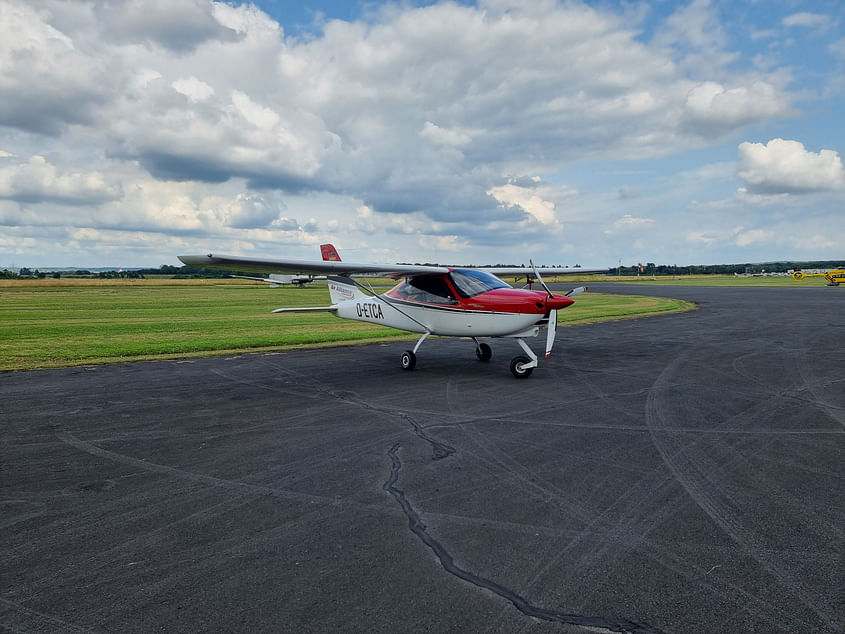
(431, 300)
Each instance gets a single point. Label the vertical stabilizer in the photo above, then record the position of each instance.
(329, 253)
(342, 289)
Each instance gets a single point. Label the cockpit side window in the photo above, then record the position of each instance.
(431, 289)
(470, 283)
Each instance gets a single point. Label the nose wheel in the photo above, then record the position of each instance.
(521, 367)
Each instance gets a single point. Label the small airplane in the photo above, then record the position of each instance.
(276, 280)
(431, 300)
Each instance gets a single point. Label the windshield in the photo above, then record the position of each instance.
(471, 283)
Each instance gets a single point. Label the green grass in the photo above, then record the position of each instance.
(45, 325)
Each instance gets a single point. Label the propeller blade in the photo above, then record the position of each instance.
(576, 291)
(550, 332)
(539, 279)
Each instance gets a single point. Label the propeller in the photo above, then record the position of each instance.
(550, 332)
(539, 279)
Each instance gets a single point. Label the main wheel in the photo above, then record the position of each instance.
(518, 368)
(484, 352)
(409, 360)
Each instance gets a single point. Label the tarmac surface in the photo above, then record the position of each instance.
(680, 473)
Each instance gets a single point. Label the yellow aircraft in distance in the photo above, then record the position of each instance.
(834, 277)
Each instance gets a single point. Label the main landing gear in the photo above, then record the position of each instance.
(521, 366)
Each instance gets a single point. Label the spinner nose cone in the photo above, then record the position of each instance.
(556, 302)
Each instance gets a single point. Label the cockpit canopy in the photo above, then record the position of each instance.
(470, 283)
(438, 288)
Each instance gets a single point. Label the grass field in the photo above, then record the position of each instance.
(57, 323)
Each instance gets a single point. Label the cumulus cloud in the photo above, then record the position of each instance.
(711, 108)
(253, 211)
(39, 181)
(179, 26)
(783, 166)
(419, 121)
(46, 81)
(193, 89)
(526, 199)
(363, 106)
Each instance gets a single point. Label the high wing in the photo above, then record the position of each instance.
(515, 270)
(346, 269)
(351, 269)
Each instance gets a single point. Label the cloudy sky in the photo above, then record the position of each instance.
(706, 131)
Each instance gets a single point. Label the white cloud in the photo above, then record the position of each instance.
(711, 108)
(629, 222)
(39, 181)
(193, 89)
(438, 135)
(739, 236)
(205, 120)
(46, 81)
(783, 166)
(526, 199)
(745, 238)
(806, 19)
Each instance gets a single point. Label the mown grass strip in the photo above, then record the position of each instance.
(47, 326)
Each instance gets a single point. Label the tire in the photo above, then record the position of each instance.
(409, 360)
(484, 352)
(517, 368)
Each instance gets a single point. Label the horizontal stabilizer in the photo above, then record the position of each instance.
(305, 309)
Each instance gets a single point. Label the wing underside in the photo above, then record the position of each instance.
(305, 267)
(347, 269)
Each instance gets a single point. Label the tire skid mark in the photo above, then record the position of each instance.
(109, 559)
(649, 502)
(416, 526)
(773, 613)
(694, 475)
(536, 486)
(439, 449)
(836, 412)
(213, 481)
(442, 450)
(641, 428)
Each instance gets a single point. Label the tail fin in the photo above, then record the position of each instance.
(342, 289)
(329, 253)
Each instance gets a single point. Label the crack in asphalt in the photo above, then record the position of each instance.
(418, 528)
